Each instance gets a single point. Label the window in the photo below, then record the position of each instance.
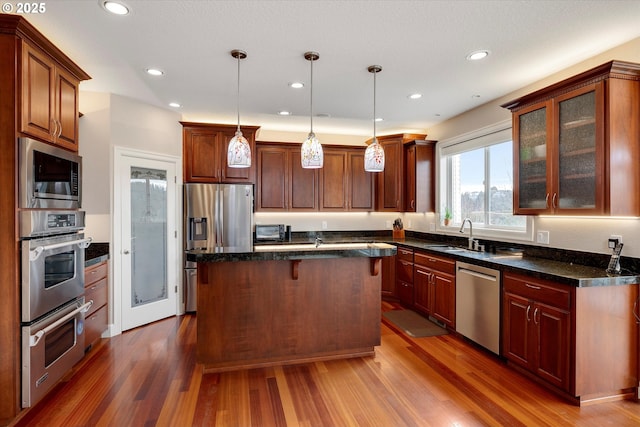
(476, 182)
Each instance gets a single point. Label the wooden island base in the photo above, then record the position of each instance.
(261, 313)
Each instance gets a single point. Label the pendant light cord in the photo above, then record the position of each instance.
(238, 93)
(311, 97)
(374, 108)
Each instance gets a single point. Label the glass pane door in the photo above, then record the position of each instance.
(577, 157)
(148, 235)
(533, 159)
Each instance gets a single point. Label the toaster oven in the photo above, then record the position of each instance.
(270, 232)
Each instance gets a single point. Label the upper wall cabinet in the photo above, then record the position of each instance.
(204, 153)
(344, 184)
(282, 184)
(407, 182)
(340, 185)
(576, 145)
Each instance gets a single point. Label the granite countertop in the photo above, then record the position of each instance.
(569, 273)
(96, 253)
(542, 263)
(296, 251)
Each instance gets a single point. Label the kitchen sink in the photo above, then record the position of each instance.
(500, 252)
(321, 247)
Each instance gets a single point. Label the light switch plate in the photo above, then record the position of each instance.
(542, 237)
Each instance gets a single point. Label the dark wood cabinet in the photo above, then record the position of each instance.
(435, 287)
(580, 340)
(341, 185)
(407, 182)
(419, 177)
(344, 184)
(49, 109)
(35, 78)
(205, 153)
(388, 286)
(570, 140)
(282, 184)
(404, 276)
(537, 337)
(96, 289)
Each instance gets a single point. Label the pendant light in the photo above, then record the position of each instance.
(239, 150)
(374, 155)
(311, 155)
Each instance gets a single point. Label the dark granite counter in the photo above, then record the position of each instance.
(573, 268)
(96, 253)
(570, 273)
(297, 251)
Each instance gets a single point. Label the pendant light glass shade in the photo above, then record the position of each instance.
(311, 154)
(374, 154)
(239, 150)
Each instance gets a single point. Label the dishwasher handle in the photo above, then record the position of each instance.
(477, 274)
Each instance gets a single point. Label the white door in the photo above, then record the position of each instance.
(148, 239)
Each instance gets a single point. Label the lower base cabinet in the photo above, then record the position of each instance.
(96, 290)
(583, 341)
(434, 283)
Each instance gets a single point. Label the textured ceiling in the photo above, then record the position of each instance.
(421, 46)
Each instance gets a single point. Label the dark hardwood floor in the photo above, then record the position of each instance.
(148, 377)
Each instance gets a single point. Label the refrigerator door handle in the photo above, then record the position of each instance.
(221, 216)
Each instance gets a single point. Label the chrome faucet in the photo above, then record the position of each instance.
(472, 243)
(318, 241)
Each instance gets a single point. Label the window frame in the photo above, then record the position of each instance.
(477, 139)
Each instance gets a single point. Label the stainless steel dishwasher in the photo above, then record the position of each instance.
(478, 304)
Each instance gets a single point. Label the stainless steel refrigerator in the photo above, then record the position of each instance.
(217, 218)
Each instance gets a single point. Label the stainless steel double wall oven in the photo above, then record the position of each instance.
(52, 266)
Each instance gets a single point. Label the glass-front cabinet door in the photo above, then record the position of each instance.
(580, 152)
(533, 172)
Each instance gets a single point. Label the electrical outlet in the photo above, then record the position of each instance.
(542, 237)
(432, 226)
(324, 225)
(409, 224)
(614, 239)
(388, 224)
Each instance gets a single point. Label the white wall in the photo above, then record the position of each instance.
(112, 120)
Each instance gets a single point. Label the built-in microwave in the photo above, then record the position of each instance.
(50, 177)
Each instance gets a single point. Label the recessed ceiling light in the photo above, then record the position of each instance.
(154, 72)
(175, 105)
(477, 55)
(415, 96)
(115, 7)
(474, 96)
(296, 85)
(284, 113)
(379, 119)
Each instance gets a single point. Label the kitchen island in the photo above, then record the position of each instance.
(289, 304)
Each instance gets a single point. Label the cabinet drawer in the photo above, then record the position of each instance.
(549, 293)
(97, 292)
(404, 271)
(436, 263)
(95, 273)
(94, 325)
(405, 254)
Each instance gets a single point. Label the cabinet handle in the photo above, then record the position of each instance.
(422, 272)
(431, 259)
(528, 310)
(59, 128)
(537, 288)
(553, 201)
(535, 313)
(546, 201)
(413, 204)
(93, 288)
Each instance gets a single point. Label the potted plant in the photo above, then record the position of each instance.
(447, 216)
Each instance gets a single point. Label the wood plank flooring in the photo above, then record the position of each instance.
(148, 377)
